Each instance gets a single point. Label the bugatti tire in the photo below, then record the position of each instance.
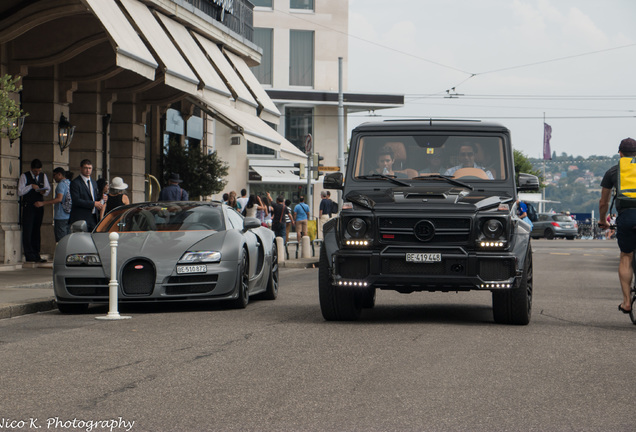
(336, 304)
(242, 283)
(514, 306)
(271, 292)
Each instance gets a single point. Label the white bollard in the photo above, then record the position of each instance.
(306, 247)
(280, 247)
(113, 285)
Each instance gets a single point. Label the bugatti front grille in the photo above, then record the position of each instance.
(87, 287)
(138, 278)
(196, 284)
(428, 230)
(496, 270)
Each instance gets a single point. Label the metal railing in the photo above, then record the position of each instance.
(237, 15)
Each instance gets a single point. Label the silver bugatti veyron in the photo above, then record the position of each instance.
(167, 251)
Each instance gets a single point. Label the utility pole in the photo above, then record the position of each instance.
(341, 131)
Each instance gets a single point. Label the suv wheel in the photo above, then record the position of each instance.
(514, 306)
(335, 304)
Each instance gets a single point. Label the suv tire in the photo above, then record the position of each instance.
(335, 304)
(514, 306)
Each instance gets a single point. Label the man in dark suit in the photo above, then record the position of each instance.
(86, 200)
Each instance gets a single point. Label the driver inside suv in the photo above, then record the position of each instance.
(466, 159)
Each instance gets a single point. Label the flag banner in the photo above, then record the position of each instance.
(547, 134)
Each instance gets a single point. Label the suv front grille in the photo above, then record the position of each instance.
(496, 270)
(399, 266)
(402, 230)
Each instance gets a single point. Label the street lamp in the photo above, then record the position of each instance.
(65, 133)
(16, 125)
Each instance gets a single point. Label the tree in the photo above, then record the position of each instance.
(10, 110)
(523, 165)
(202, 175)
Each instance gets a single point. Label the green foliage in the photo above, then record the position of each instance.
(575, 191)
(523, 165)
(202, 175)
(10, 110)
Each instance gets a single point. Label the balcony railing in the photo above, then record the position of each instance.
(237, 15)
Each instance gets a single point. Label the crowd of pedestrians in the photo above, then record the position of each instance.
(83, 198)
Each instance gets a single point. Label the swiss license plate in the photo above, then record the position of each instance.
(185, 269)
(423, 257)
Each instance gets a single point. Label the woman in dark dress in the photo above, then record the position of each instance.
(116, 195)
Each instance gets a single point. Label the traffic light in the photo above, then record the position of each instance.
(316, 164)
(301, 169)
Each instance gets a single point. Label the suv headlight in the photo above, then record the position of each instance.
(357, 228)
(357, 232)
(492, 234)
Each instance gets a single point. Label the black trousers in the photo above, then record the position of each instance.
(31, 223)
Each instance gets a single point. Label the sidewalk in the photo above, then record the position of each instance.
(30, 289)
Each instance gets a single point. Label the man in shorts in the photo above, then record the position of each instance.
(625, 223)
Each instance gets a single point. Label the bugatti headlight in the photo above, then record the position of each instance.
(83, 259)
(200, 257)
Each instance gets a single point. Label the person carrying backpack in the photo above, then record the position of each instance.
(622, 178)
(61, 204)
(302, 215)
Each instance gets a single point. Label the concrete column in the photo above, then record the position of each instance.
(128, 145)
(45, 99)
(86, 116)
(10, 234)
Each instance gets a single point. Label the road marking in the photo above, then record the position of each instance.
(560, 253)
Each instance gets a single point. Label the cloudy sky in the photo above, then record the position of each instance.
(509, 61)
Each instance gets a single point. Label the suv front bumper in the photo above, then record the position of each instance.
(458, 270)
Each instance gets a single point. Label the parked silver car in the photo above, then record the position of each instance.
(552, 225)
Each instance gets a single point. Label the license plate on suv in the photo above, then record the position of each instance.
(423, 257)
(187, 269)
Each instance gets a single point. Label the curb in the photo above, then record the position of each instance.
(299, 264)
(32, 306)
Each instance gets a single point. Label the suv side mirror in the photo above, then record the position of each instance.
(333, 181)
(528, 182)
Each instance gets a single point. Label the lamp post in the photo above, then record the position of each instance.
(14, 130)
(65, 133)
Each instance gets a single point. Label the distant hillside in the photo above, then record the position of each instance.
(574, 181)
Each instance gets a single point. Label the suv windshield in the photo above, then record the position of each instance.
(479, 158)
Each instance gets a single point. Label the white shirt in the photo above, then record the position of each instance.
(24, 188)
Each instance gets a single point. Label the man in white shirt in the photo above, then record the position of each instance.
(33, 186)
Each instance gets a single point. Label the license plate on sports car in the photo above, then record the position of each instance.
(423, 257)
(185, 269)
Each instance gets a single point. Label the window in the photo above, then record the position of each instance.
(262, 3)
(301, 58)
(263, 38)
(256, 149)
(301, 4)
(298, 123)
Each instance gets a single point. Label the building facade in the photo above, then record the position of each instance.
(129, 75)
(302, 41)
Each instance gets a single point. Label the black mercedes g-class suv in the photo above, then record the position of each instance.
(428, 206)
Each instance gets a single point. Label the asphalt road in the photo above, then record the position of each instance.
(417, 362)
